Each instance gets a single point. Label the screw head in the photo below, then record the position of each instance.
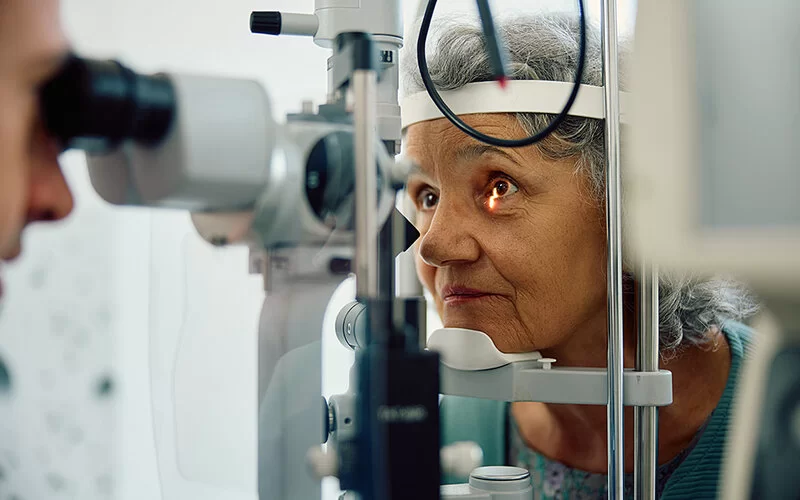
(546, 363)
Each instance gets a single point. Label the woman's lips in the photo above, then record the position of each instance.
(453, 300)
(455, 295)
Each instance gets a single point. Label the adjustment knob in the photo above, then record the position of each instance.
(266, 23)
(328, 420)
(322, 463)
(461, 458)
(510, 483)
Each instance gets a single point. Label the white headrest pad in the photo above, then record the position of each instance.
(519, 96)
(471, 350)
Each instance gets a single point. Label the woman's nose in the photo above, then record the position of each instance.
(449, 239)
(49, 197)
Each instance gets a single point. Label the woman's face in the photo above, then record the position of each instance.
(512, 244)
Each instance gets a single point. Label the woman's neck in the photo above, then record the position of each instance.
(576, 434)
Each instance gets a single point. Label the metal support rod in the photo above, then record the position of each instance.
(616, 449)
(364, 85)
(387, 242)
(645, 418)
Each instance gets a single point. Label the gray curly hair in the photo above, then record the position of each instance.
(545, 47)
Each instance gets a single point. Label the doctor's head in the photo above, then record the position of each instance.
(32, 188)
(513, 240)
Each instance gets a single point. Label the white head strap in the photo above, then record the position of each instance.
(519, 96)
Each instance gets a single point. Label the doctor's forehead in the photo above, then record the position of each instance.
(30, 30)
(40, 19)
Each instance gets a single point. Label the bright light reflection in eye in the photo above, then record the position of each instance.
(493, 198)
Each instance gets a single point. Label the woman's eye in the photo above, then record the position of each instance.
(498, 190)
(427, 200)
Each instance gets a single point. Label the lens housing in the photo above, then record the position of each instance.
(94, 105)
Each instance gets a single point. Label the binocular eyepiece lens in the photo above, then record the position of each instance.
(95, 105)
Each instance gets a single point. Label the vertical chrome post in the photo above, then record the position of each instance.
(365, 84)
(645, 418)
(616, 450)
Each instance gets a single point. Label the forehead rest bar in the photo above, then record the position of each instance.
(520, 96)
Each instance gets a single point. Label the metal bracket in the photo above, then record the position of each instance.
(527, 381)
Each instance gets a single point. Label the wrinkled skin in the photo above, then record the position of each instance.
(511, 225)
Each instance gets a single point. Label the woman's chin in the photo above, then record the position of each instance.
(498, 335)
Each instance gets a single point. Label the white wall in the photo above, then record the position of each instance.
(187, 422)
(60, 320)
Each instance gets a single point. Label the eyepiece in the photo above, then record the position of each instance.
(95, 105)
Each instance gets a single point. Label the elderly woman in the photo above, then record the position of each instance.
(514, 244)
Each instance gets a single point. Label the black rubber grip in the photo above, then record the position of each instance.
(266, 23)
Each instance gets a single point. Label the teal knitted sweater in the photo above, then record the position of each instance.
(697, 477)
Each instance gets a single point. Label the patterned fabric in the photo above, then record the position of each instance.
(553, 480)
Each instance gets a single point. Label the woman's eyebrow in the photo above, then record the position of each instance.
(472, 152)
(417, 169)
(419, 176)
(520, 168)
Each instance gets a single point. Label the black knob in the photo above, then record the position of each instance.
(266, 23)
(327, 428)
(94, 105)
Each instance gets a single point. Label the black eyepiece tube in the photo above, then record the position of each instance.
(95, 105)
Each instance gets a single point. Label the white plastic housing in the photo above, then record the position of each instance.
(283, 215)
(299, 24)
(216, 157)
(379, 17)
